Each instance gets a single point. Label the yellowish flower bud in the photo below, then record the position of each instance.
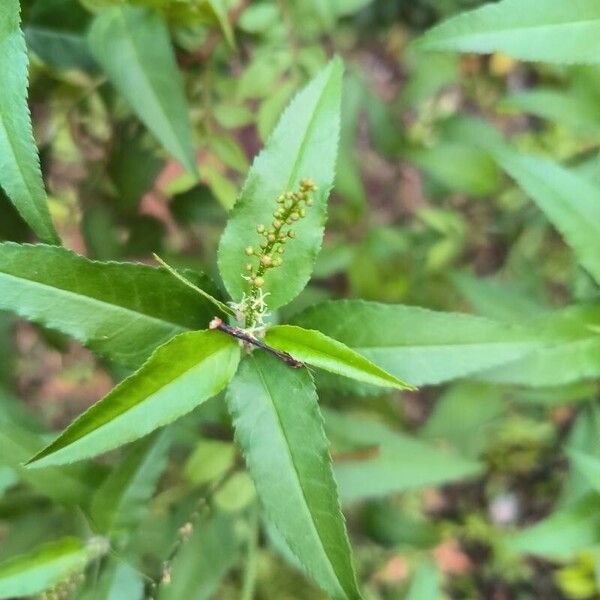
(249, 250)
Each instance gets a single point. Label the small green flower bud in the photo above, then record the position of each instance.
(281, 199)
(271, 237)
(281, 249)
(289, 195)
(249, 267)
(294, 216)
(266, 260)
(264, 245)
(276, 262)
(249, 250)
(260, 228)
(302, 213)
(258, 282)
(277, 223)
(291, 233)
(282, 238)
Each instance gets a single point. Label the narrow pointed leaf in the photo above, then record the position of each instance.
(279, 427)
(418, 345)
(375, 461)
(133, 47)
(20, 174)
(303, 145)
(44, 567)
(180, 375)
(319, 350)
(122, 500)
(540, 30)
(588, 466)
(120, 310)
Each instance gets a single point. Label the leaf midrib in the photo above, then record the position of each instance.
(94, 301)
(297, 473)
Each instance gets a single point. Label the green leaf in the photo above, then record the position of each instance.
(303, 145)
(279, 427)
(20, 174)
(374, 461)
(318, 350)
(418, 345)
(117, 582)
(538, 30)
(587, 465)
(44, 567)
(572, 354)
(563, 534)
(203, 560)
(425, 584)
(133, 47)
(122, 500)
(569, 201)
(120, 310)
(180, 375)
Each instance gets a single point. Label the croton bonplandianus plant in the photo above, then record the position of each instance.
(189, 343)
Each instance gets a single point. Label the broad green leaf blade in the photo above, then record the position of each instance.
(118, 581)
(572, 354)
(588, 466)
(180, 375)
(539, 30)
(418, 345)
(20, 174)
(374, 461)
(120, 310)
(133, 47)
(563, 534)
(121, 501)
(279, 427)
(303, 145)
(318, 350)
(45, 566)
(203, 560)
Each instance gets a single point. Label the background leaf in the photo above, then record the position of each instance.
(279, 427)
(121, 310)
(132, 45)
(303, 144)
(20, 174)
(43, 567)
(545, 30)
(180, 375)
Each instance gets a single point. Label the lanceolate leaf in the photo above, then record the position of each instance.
(375, 461)
(20, 174)
(303, 145)
(418, 345)
(279, 427)
(541, 30)
(573, 354)
(179, 376)
(122, 499)
(132, 44)
(315, 348)
(44, 567)
(121, 310)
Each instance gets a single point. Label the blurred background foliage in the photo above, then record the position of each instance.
(442, 487)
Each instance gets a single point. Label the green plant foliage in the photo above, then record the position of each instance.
(132, 45)
(291, 466)
(181, 374)
(302, 145)
(123, 311)
(417, 345)
(545, 30)
(45, 566)
(384, 468)
(20, 174)
(323, 352)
